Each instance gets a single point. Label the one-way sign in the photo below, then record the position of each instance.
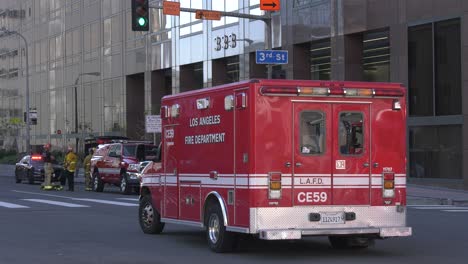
(271, 57)
(270, 5)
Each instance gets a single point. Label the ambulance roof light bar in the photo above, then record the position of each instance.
(332, 91)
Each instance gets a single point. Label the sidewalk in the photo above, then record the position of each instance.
(416, 194)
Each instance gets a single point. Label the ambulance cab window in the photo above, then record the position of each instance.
(312, 131)
(351, 136)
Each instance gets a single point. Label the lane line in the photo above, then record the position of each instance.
(456, 211)
(130, 199)
(12, 205)
(55, 203)
(105, 202)
(43, 194)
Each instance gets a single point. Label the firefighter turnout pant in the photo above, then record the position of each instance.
(47, 174)
(88, 180)
(70, 177)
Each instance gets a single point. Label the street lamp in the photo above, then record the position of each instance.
(76, 103)
(6, 32)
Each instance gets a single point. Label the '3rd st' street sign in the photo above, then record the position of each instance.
(271, 57)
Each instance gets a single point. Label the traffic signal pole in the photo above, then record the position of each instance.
(265, 18)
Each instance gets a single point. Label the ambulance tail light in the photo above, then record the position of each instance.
(388, 185)
(274, 185)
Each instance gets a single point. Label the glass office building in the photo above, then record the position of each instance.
(91, 75)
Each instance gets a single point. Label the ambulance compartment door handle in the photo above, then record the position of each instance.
(287, 164)
(376, 165)
(298, 164)
(366, 165)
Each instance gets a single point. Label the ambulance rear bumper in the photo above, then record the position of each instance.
(295, 222)
(298, 234)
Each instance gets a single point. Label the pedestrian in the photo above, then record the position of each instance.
(47, 158)
(87, 169)
(69, 168)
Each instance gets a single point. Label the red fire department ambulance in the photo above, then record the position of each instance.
(281, 159)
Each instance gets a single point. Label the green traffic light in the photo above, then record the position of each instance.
(141, 21)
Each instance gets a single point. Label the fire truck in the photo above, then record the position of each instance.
(281, 159)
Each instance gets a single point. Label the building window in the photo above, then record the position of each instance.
(434, 64)
(188, 23)
(232, 69)
(376, 56)
(228, 6)
(435, 151)
(320, 60)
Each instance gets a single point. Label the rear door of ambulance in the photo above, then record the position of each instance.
(331, 152)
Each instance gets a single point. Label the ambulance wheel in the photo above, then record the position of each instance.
(341, 242)
(149, 218)
(219, 240)
(98, 185)
(124, 188)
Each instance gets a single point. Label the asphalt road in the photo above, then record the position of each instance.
(88, 227)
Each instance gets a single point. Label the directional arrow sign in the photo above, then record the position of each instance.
(270, 5)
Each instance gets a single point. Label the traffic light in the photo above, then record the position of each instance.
(140, 15)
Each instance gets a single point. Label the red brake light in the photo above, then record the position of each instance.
(389, 92)
(279, 91)
(337, 91)
(36, 158)
(389, 176)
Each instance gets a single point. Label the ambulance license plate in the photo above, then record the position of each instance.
(332, 218)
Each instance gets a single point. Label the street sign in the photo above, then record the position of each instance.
(171, 8)
(270, 5)
(153, 124)
(208, 15)
(271, 57)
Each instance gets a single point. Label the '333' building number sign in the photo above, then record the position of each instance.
(225, 42)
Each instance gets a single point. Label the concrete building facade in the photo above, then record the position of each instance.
(92, 75)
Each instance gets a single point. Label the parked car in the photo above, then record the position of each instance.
(31, 168)
(110, 163)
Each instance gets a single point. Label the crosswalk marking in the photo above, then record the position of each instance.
(55, 203)
(105, 202)
(130, 199)
(11, 205)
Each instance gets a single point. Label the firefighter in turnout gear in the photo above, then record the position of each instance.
(69, 167)
(47, 158)
(87, 169)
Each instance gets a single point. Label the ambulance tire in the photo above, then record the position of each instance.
(149, 217)
(219, 240)
(98, 185)
(124, 187)
(342, 242)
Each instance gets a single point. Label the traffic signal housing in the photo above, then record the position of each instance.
(140, 15)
